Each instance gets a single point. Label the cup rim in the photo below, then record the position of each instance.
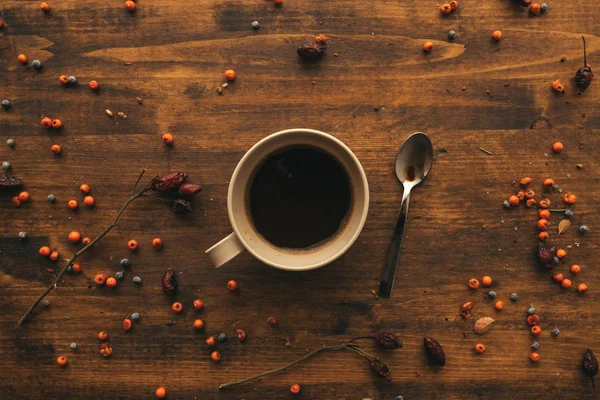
(364, 210)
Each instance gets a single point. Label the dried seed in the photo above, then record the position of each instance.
(122, 115)
(563, 225)
(109, 113)
(434, 351)
(580, 166)
(483, 325)
(381, 369)
(169, 282)
(139, 100)
(388, 340)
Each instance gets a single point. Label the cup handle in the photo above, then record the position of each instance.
(225, 250)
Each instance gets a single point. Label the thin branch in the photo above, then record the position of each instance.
(136, 182)
(486, 151)
(75, 256)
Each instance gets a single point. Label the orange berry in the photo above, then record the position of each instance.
(85, 188)
(72, 204)
(74, 237)
(198, 304)
(529, 194)
(157, 243)
(54, 255)
(46, 122)
(533, 320)
(530, 202)
(230, 74)
(569, 198)
(521, 195)
(473, 283)
(167, 138)
(427, 47)
(454, 5)
(198, 324)
(542, 224)
(210, 341)
(130, 5)
(295, 388)
(558, 277)
(526, 181)
(549, 183)
(535, 9)
(88, 201)
(582, 288)
(272, 321)
(126, 324)
(480, 348)
(544, 214)
(215, 356)
(497, 35)
(57, 123)
(86, 240)
(55, 149)
(102, 335)
(111, 282)
(499, 305)
(45, 251)
(45, 7)
(99, 279)
(560, 253)
(161, 393)
(23, 196)
(232, 285)
(544, 203)
(486, 280)
(94, 85)
(63, 79)
(445, 9)
(575, 269)
(177, 307)
(132, 244)
(278, 2)
(566, 283)
(16, 202)
(513, 200)
(76, 267)
(62, 361)
(241, 335)
(543, 235)
(536, 330)
(534, 357)
(558, 147)
(22, 58)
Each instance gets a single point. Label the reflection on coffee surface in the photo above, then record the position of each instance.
(299, 197)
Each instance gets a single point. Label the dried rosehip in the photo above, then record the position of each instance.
(314, 50)
(240, 334)
(189, 189)
(434, 351)
(180, 205)
(169, 282)
(584, 75)
(545, 256)
(589, 364)
(388, 340)
(9, 182)
(168, 181)
(381, 369)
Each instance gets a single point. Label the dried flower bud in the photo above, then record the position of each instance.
(189, 189)
(169, 282)
(312, 50)
(180, 205)
(381, 369)
(434, 351)
(589, 364)
(9, 182)
(584, 75)
(168, 181)
(545, 256)
(388, 340)
(105, 349)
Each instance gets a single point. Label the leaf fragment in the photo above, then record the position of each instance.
(563, 225)
(483, 325)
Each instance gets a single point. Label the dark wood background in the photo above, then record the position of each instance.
(379, 89)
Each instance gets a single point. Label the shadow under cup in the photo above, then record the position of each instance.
(297, 258)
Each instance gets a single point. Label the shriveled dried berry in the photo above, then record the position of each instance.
(168, 181)
(434, 351)
(189, 189)
(589, 364)
(465, 309)
(388, 340)
(584, 75)
(169, 282)
(545, 256)
(311, 50)
(381, 369)
(180, 205)
(9, 182)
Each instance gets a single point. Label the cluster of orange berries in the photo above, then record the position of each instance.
(567, 283)
(21, 198)
(533, 320)
(487, 282)
(87, 200)
(447, 8)
(133, 244)
(45, 251)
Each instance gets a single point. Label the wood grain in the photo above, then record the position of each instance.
(377, 90)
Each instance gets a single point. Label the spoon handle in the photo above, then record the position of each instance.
(386, 282)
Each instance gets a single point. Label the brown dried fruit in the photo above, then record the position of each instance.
(180, 205)
(105, 349)
(584, 75)
(381, 369)
(483, 325)
(589, 364)
(563, 225)
(9, 182)
(189, 189)
(545, 256)
(388, 340)
(168, 181)
(312, 50)
(169, 282)
(465, 310)
(434, 351)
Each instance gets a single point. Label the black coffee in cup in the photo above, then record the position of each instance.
(299, 198)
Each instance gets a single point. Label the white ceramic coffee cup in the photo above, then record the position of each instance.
(245, 237)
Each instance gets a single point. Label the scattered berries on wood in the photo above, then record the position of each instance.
(534, 357)
(215, 356)
(536, 330)
(558, 87)
(111, 282)
(22, 58)
(497, 35)
(126, 324)
(445, 9)
(161, 393)
(132, 244)
(560, 253)
(535, 9)
(582, 288)
(499, 305)
(177, 307)
(94, 85)
(566, 283)
(157, 243)
(486, 281)
(427, 47)
(62, 361)
(272, 321)
(198, 324)
(513, 200)
(46, 123)
(544, 203)
(558, 277)
(542, 224)
(88, 201)
(57, 123)
(198, 304)
(64, 79)
(72, 204)
(45, 251)
(100, 279)
(54, 255)
(295, 388)
(167, 138)
(211, 341)
(74, 237)
(130, 5)
(232, 285)
(45, 7)
(102, 335)
(473, 283)
(479, 348)
(569, 198)
(85, 188)
(230, 74)
(240, 334)
(526, 181)
(558, 147)
(55, 149)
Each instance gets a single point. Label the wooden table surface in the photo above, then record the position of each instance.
(374, 87)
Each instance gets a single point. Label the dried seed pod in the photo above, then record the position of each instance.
(465, 310)
(388, 340)
(584, 75)
(314, 50)
(381, 369)
(189, 189)
(545, 256)
(168, 181)
(180, 205)
(169, 282)
(9, 182)
(434, 351)
(589, 364)
(483, 325)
